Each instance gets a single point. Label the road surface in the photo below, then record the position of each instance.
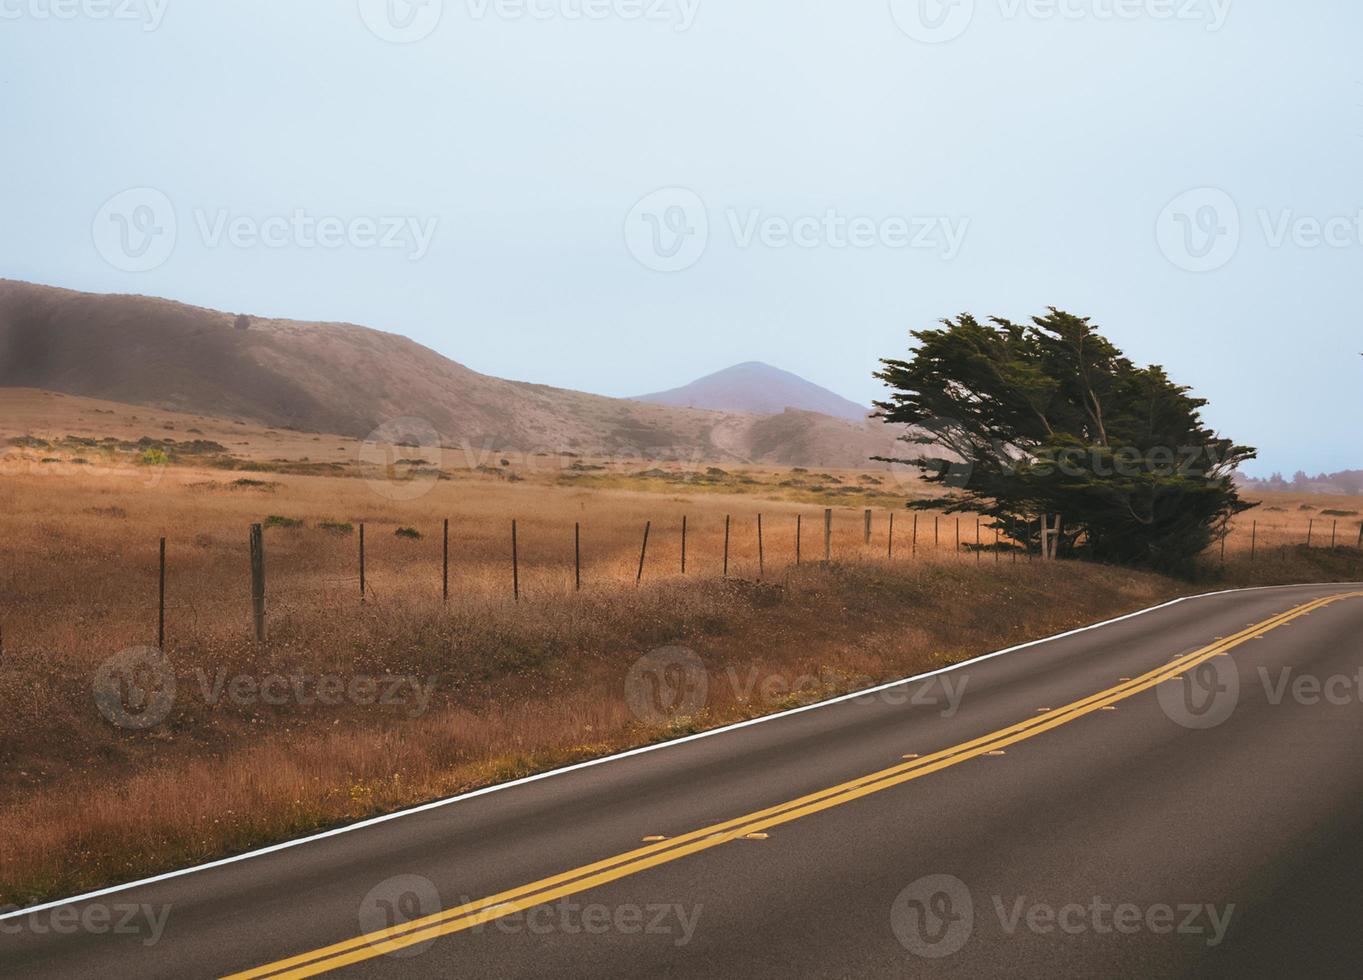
(1177, 793)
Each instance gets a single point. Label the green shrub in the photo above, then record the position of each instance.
(274, 520)
(408, 532)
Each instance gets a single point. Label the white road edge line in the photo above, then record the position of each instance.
(629, 753)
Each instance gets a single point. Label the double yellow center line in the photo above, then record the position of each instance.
(594, 875)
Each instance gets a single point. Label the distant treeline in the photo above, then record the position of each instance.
(1345, 481)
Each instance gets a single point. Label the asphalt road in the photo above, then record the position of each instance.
(1165, 817)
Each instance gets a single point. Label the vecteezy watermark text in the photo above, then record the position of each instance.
(680, 14)
(94, 919)
(938, 21)
(673, 683)
(669, 230)
(148, 13)
(301, 229)
(137, 230)
(936, 916)
(137, 688)
(1201, 230)
(410, 21)
(595, 919)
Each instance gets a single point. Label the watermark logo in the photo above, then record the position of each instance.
(1204, 697)
(668, 230)
(934, 917)
(135, 231)
(401, 459)
(1199, 231)
(933, 21)
(394, 903)
(402, 21)
(135, 688)
(667, 684)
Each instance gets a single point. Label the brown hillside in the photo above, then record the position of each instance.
(349, 380)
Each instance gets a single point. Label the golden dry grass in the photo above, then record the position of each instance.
(515, 687)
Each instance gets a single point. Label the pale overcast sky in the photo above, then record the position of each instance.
(621, 195)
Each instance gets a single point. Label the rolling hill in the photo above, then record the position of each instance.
(755, 388)
(350, 380)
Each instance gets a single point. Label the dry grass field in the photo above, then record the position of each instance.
(352, 709)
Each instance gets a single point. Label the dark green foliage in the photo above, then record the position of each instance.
(1050, 418)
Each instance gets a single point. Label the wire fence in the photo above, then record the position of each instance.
(172, 587)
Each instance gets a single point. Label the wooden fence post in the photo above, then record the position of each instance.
(683, 555)
(979, 544)
(161, 603)
(958, 537)
(868, 526)
(761, 551)
(361, 563)
(643, 552)
(914, 550)
(828, 535)
(1309, 529)
(577, 556)
(445, 564)
(799, 521)
(1334, 530)
(889, 548)
(515, 564)
(726, 546)
(937, 532)
(258, 580)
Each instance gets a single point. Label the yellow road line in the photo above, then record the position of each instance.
(633, 862)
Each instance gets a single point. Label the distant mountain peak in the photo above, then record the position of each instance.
(758, 388)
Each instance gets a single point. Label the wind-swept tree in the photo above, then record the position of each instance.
(1051, 418)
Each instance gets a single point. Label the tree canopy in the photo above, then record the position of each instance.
(1051, 418)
